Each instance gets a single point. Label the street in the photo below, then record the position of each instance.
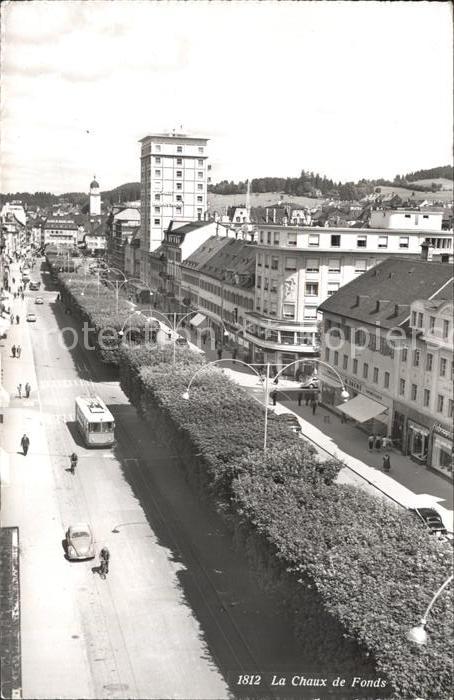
(178, 615)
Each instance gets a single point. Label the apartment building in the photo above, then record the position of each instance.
(173, 184)
(298, 267)
(406, 219)
(122, 225)
(389, 334)
(60, 231)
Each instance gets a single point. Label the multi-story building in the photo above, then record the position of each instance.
(298, 267)
(121, 226)
(173, 184)
(389, 334)
(406, 219)
(60, 231)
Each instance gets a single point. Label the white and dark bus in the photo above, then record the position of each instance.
(95, 422)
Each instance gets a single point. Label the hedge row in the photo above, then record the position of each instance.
(371, 569)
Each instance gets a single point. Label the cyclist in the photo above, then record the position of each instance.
(104, 556)
(73, 459)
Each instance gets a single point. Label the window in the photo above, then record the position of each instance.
(311, 289)
(157, 198)
(420, 319)
(199, 187)
(273, 285)
(157, 210)
(402, 387)
(268, 237)
(274, 263)
(416, 356)
(386, 380)
(404, 354)
(290, 263)
(429, 362)
(426, 399)
(179, 173)
(179, 185)
(258, 282)
(157, 173)
(178, 209)
(413, 318)
(288, 310)
(355, 366)
(335, 240)
(361, 241)
(326, 354)
(450, 408)
(200, 199)
(179, 149)
(199, 213)
(443, 365)
(259, 260)
(440, 403)
(414, 392)
(200, 175)
(333, 265)
(403, 241)
(157, 222)
(157, 161)
(276, 238)
(267, 261)
(360, 265)
(273, 310)
(432, 323)
(312, 265)
(332, 288)
(291, 239)
(265, 284)
(179, 198)
(375, 376)
(365, 370)
(383, 241)
(200, 163)
(345, 362)
(445, 329)
(179, 161)
(157, 148)
(200, 149)
(310, 312)
(336, 358)
(314, 239)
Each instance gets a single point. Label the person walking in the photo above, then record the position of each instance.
(386, 463)
(314, 405)
(27, 390)
(219, 353)
(17, 319)
(11, 318)
(19, 390)
(18, 352)
(371, 441)
(73, 462)
(378, 443)
(25, 444)
(274, 396)
(22, 296)
(300, 398)
(13, 351)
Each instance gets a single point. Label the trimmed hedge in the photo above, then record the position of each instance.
(367, 567)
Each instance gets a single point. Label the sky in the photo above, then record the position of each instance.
(345, 89)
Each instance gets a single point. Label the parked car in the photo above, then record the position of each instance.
(181, 340)
(431, 519)
(34, 286)
(79, 542)
(291, 420)
(39, 300)
(30, 317)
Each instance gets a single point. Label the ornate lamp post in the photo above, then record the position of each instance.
(418, 635)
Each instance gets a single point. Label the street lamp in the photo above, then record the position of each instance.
(418, 635)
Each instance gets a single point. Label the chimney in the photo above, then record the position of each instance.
(427, 251)
(399, 308)
(380, 304)
(360, 299)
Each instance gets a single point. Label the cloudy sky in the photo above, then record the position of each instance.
(346, 89)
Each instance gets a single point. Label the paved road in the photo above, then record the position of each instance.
(180, 615)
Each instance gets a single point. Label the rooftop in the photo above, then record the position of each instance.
(384, 293)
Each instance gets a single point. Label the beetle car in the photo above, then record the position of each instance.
(79, 542)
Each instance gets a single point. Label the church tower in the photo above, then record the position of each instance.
(95, 198)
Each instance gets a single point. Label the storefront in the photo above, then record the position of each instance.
(417, 441)
(442, 450)
(367, 408)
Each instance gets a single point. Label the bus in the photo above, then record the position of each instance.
(94, 421)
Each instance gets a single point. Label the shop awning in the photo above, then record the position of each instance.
(197, 320)
(362, 408)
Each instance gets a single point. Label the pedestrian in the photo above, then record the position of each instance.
(15, 295)
(314, 405)
(300, 398)
(234, 353)
(18, 352)
(22, 296)
(104, 558)
(386, 442)
(274, 396)
(343, 417)
(371, 441)
(17, 319)
(308, 398)
(378, 442)
(13, 351)
(19, 390)
(219, 353)
(11, 318)
(58, 297)
(386, 463)
(25, 444)
(14, 281)
(27, 390)
(73, 461)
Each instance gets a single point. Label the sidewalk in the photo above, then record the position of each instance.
(410, 483)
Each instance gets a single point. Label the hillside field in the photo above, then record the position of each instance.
(404, 193)
(220, 202)
(443, 181)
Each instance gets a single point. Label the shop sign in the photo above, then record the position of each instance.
(417, 428)
(374, 395)
(444, 432)
(353, 384)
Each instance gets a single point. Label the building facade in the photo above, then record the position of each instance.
(62, 231)
(406, 219)
(173, 184)
(297, 268)
(389, 334)
(122, 225)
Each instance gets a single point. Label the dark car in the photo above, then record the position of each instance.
(430, 518)
(291, 420)
(181, 341)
